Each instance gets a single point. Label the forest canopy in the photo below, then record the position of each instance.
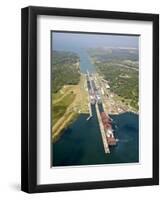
(65, 69)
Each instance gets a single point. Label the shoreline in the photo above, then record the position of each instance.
(66, 123)
(74, 109)
(119, 102)
(121, 113)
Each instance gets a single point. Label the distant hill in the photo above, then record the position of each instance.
(108, 54)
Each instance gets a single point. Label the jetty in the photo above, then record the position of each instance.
(104, 120)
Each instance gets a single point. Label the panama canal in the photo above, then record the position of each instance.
(81, 143)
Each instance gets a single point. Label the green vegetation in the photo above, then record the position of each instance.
(120, 68)
(59, 108)
(65, 83)
(65, 69)
(113, 54)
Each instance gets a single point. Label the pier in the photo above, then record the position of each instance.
(103, 135)
(105, 122)
(90, 111)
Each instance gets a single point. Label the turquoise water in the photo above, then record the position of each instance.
(81, 143)
(85, 62)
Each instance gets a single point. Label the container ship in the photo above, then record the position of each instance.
(107, 123)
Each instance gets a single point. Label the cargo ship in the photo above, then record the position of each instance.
(107, 124)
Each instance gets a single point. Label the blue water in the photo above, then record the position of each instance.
(85, 62)
(81, 143)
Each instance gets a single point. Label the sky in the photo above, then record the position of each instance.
(68, 40)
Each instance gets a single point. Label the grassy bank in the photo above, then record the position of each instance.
(67, 104)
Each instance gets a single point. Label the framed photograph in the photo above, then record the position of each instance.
(90, 99)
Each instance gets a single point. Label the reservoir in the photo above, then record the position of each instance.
(81, 142)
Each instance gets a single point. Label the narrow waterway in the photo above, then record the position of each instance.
(81, 142)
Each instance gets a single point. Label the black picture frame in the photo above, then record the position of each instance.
(29, 99)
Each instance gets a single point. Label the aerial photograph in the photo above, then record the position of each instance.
(94, 99)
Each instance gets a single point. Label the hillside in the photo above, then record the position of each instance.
(65, 69)
(121, 69)
(67, 91)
